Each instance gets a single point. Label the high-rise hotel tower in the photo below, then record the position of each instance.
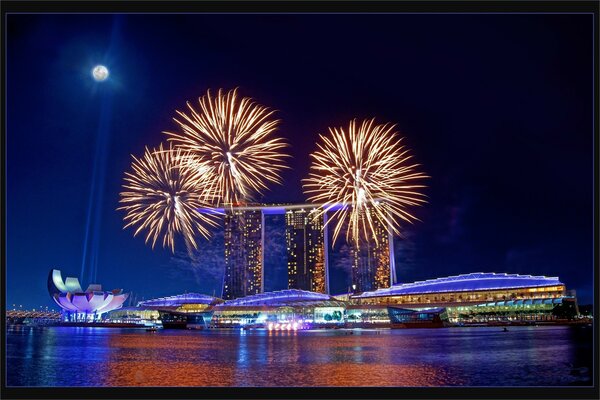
(306, 251)
(244, 258)
(373, 259)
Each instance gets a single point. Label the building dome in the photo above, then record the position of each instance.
(180, 300)
(70, 297)
(279, 298)
(465, 283)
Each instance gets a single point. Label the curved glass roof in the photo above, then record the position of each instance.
(180, 299)
(281, 297)
(465, 283)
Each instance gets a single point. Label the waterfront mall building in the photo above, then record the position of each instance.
(376, 299)
(478, 298)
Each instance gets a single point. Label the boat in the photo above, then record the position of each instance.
(173, 320)
(401, 318)
(151, 329)
(181, 320)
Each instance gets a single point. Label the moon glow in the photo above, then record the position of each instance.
(100, 73)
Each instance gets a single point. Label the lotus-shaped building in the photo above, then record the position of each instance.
(79, 304)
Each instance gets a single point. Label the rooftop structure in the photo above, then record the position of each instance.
(272, 209)
(279, 298)
(477, 281)
(179, 300)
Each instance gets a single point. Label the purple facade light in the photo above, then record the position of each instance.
(468, 282)
(179, 300)
(78, 304)
(278, 209)
(283, 297)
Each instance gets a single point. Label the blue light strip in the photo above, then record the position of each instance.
(273, 209)
(472, 282)
(289, 295)
(178, 300)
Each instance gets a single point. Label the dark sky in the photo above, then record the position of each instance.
(497, 108)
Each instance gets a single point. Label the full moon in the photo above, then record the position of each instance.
(100, 73)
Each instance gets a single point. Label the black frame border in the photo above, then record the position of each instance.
(306, 6)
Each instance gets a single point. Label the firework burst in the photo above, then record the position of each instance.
(365, 175)
(232, 145)
(162, 195)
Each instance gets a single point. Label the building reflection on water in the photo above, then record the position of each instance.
(275, 358)
(68, 356)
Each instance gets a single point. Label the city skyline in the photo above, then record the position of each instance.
(494, 202)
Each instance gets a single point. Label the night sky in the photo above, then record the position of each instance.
(497, 108)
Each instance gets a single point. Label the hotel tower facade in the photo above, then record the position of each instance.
(373, 259)
(306, 251)
(244, 256)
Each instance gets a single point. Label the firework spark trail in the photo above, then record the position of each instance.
(366, 169)
(231, 143)
(163, 195)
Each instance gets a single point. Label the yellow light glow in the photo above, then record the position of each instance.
(364, 167)
(163, 195)
(232, 143)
